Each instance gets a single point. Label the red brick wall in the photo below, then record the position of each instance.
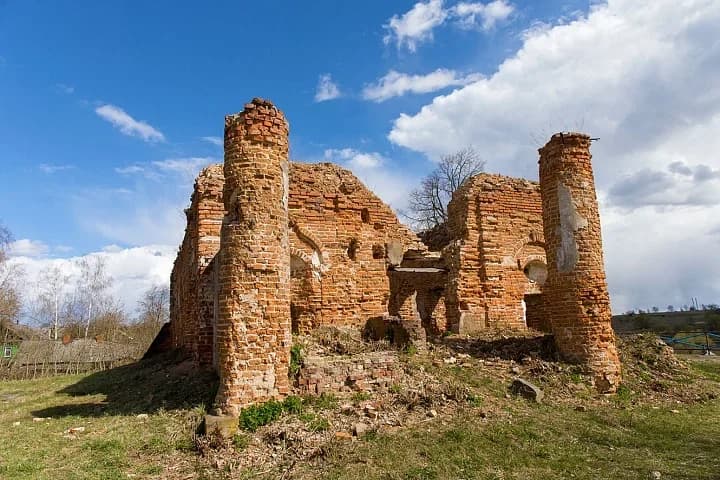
(496, 225)
(192, 292)
(576, 296)
(253, 323)
(339, 231)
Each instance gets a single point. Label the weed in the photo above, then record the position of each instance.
(624, 394)
(315, 423)
(255, 416)
(361, 396)
(240, 441)
(475, 400)
(326, 401)
(295, 361)
(411, 350)
(293, 404)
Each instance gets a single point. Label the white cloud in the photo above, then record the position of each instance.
(128, 125)
(486, 16)
(416, 25)
(217, 141)
(50, 168)
(188, 167)
(133, 270)
(28, 248)
(354, 158)
(644, 80)
(396, 84)
(326, 89)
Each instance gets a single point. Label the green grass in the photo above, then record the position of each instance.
(621, 439)
(116, 442)
(547, 443)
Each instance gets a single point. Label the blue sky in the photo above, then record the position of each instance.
(108, 109)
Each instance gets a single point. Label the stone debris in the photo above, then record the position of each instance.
(226, 426)
(360, 429)
(343, 436)
(526, 390)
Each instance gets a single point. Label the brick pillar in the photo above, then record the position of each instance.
(253, 327)
(575, 293)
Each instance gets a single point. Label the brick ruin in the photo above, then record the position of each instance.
(274, 247)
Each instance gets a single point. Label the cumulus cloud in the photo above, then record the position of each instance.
(644, 80)
(395, 84)
(476, 14)
(354, 158)
(128, 125)
(326, 89)
(133, 270)
(417, 24)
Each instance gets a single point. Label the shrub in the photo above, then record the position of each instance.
(255, 416)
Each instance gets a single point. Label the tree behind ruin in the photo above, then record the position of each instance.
(428, 203)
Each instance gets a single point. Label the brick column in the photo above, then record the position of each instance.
(575, 293)
(253, 327)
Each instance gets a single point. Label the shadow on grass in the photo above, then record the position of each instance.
(164, 382)
(507, 348)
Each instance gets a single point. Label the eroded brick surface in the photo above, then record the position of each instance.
(495, 224)
(253, 321)
(575, 293)
(363, 372)
(192, 281)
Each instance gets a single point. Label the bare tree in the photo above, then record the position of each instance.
(428, 203)
(92, 287)
(10, 278)
(153, 312)
(51, 283)
(155, 306)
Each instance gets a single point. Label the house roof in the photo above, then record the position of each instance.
(19, 332)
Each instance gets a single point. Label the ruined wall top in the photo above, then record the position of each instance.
(563, 140)
(489, 182)
(209, 182)
(261, 121)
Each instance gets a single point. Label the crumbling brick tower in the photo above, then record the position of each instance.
(253, 326)
(575, 292)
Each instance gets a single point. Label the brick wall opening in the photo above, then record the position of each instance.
(534, 312)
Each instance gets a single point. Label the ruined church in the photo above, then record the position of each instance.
(274, 247)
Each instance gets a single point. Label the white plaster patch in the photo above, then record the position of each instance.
(570, 222)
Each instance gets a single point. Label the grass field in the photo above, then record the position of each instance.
(139, 422)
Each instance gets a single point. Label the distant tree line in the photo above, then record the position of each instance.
(79, 305)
